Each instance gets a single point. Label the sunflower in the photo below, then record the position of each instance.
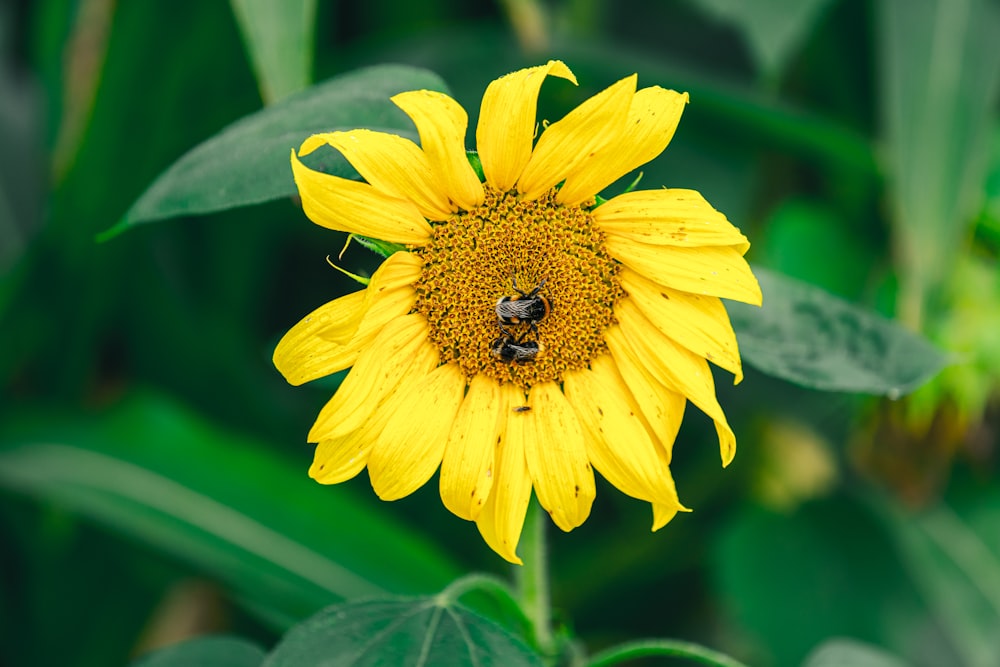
(618, 307)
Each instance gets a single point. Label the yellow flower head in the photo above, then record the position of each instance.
(612, 311)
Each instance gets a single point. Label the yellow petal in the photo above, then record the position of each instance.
(467, 467)
(662, 408)
(316, 346)
(668, 217)
(341, 459)
(389, 295)
(401, 346)
(507, 122)
(557, 457)
(441, 122)
(410, 447)
(712, 271)
(570, 144)
(678, 368)
(699, 323)
(618, 440)
(392, 164)
(662, 514)
(358, 208)
(502, 517)
(652, 119)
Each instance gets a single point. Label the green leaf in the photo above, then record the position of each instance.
(812, 338)
(850, 653)
(400, 631)
(205, 652)
(279, 37)
(226, 504)
(939, 88)
(773, 29)
(248, 162)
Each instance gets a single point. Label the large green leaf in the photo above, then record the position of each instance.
(205, 652)
(940, 77)
(279, 37)
(812, 338)
(247, 162)
(225, 504)
(400, 632)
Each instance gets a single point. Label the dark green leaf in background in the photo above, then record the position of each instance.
(400, 632)
(156, 472)
(939, 81)
(279, 37)
(812, 338)
(958, 575)
(248, 162)
(205, 652)
(850, 653)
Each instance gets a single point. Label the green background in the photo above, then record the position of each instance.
(152, 461)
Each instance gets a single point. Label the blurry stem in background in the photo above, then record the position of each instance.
(532, 579)
(83, 61)
(662, 647)
(530, 23)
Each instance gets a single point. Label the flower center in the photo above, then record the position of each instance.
(478, 257)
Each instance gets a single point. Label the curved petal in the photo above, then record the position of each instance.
(712, 271)
(316, 346)
(506, 126)
(678, 368)
(330, 338)
(502, 517)
(662, 408)
(392, 164)
(618, 440)
(652, 119)
(467, 466)
(572, 142)
(400, 348)
(699, 323)
(340, 459)
(410, 447)
(663, 514)
(442, 122)
(668, 217)
(557, 457)
(358, 208)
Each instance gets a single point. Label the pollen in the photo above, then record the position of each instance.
(476, 257)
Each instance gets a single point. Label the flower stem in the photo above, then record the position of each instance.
(532, 579)
(662, 647)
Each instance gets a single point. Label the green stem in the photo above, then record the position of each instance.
(532, 579)
(663, 647)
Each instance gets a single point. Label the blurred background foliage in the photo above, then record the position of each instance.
(152, 461)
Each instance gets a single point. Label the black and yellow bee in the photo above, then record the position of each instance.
(524, 307)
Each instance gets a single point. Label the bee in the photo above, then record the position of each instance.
(525, 307)
(522, 408)
(510, 349)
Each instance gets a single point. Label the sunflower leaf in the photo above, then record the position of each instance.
(247, 162)
(401, 631)
(806, 335)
